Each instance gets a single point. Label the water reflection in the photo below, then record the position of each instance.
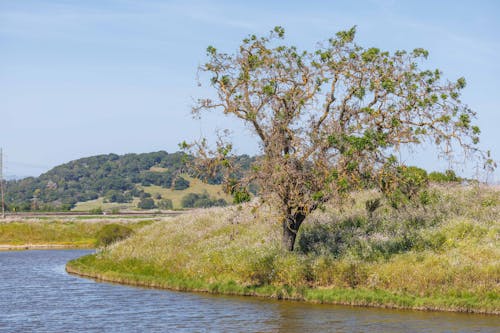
(36, 294)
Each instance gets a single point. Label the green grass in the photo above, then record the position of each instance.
(59, 232)
(447, 259)
(137, 273)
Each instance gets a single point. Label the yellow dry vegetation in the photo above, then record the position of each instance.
(442, 256)
(99, 203)
(195, 186)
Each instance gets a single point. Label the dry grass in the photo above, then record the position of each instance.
(60, 231)
(195, 186)
(91, 205)
(452, 261)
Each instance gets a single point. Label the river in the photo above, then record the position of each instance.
(37, 295)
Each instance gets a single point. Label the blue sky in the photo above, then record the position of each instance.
(79, 78)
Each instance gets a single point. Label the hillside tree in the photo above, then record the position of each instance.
(329, 120)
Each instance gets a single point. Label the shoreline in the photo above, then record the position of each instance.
(15, 247)
(340, 296)
(54, 233)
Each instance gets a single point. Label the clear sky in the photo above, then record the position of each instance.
(79, 78)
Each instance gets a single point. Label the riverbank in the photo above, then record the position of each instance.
(59, 232)
(443, 256)
(5, 247)
(91, 267)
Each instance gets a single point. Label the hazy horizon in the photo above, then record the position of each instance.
(79, 79)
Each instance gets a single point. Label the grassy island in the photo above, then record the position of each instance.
(440, 256)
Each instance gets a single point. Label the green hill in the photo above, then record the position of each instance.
(113, 181)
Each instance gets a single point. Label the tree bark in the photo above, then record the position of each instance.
(289, 236)
(291, 225)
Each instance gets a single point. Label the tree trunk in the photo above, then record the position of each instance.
(289, 236)
(291, 225)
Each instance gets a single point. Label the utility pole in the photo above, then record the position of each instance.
(1, 183)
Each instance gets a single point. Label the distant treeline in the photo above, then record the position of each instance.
(115, 177)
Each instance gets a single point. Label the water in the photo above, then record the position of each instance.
(37, 295)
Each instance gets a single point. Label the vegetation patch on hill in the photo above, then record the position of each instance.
(197, 186)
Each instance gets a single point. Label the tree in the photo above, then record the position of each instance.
(180, 183)
(330, 120)
(146, 203)
(166, 204)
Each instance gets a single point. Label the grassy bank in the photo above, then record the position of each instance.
(53, 232)
(443, 256)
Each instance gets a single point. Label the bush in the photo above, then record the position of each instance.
(370, 239)
(333, 238)
(189, 199)
(117, 196)
(402, 185)
(448, 176)
(146, 203)
(165, 204)
(372, 205)
(163, 179)
(180, 183)
(112, 233)
(353, 273)
(240, 196)
(96, 211)
(203, 200)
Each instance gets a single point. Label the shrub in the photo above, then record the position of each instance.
(180, 183)
(380, 237)
(96, 211)
(262, 268)
(146, 203)
(112, 233)
(203, 200)
(240, 196)
(163, 179)
(402, 185)
(446, 177)
(372, 205)
(353, 273)
(117, 196)
(67, 207)
(332, 238)
(318, 239)
(165, 204)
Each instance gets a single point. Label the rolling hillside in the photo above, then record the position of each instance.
(114, 181)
